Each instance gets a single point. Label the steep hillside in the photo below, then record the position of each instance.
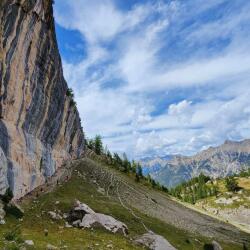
(109, 191)
(39, 123)
(229, 158)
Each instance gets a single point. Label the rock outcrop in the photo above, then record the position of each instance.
(83, 216)
(213, 246)
(40, 126)
(154, 242)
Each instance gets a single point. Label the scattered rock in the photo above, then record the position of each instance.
(224, 201)
(154, 242)
(106, 221)
(46, 232)
(84, 217)
(67, 225)
(101, 190)
(51, 247)
(216, 245)
(213, 246)
(2, 222)
(65, 216)
(57, 202)
(76, 223)
(78, 212)
(54, 215)
(2, 212)
(29, 242)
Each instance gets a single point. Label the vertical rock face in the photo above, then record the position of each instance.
(39, 123)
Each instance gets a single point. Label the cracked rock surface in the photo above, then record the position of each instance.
(39, 124)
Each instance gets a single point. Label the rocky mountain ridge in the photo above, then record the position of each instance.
(227, 159)
(39, 124)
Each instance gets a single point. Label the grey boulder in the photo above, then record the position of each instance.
(154, 242)
(84, 217)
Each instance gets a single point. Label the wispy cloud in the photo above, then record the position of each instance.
(139, 57)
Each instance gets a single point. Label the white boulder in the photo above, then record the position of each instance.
(84, 217)
(29, 242)
(154, 241)
(51, 247)
(54, 215)
(106, 221)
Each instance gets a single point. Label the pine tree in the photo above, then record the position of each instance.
(109, 157)
(98, 145)
(231, 184)
(125, 163)
(139, 170)
(137, 178)
(133, 166)
(117, 160)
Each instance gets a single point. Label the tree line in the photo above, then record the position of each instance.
(197, 188)
(122, 163)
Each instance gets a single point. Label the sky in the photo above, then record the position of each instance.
(158, 77)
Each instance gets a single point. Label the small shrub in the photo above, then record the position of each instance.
(231, 184)
(13, 211)
(208, 247)
(10, 236)
(72, 103)
(70, 93)
(7, 197)
(13, 247)
(14, 235)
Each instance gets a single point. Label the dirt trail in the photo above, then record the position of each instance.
(130, 210)
(132, 195)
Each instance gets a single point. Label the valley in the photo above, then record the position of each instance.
(61, 190)
(109, 191)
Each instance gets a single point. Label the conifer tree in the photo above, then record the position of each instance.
(98, 146)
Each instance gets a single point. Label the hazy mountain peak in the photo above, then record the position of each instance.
(220, 161)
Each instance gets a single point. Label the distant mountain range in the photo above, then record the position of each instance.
(153, 164)
(229, 158)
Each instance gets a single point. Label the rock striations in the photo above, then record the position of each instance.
(39, 124)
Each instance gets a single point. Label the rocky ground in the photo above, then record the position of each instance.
(111, 193)
(159, 205)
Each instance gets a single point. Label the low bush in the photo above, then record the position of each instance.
(231, 184)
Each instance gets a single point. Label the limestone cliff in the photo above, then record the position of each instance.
(39, 124)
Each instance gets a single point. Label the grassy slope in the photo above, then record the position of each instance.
(36, 220)
(243, 199)
(243, 195)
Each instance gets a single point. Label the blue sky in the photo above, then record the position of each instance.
(158, 77)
